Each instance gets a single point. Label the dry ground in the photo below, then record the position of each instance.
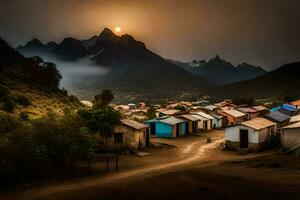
(186, 168)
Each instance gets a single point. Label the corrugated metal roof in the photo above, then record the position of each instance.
(200, 117)
(133, 124)
(217, 116)
(234, 113)
(172, 121)
(189, 117)
(170, 112)
(289, 107)
(205, 115)
(259, 108)
(277, 116)
(211, 107)
(247, 110)
(296, 125)
(258, 123)
(295, 118)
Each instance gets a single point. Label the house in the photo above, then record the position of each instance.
(261, 110)
(87, 103)
(132, 106)
(209, 121)
(167, 127)
(251, 113)
(252, 135)
(204, 124)
(191, 123)
(219, 121)
(211, 108)
(131, 134)
(201, 103)
(233, 116)
(287, 109)
(279, 118)
(290, 138)
(295, 119)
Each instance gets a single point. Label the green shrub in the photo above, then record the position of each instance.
(9, 105)
(23, 100)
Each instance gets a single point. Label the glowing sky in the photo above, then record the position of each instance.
(261, 32)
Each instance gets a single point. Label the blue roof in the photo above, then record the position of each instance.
(277, 116)
(275, 108)
(289, 107)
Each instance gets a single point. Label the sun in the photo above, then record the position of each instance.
(118, 29)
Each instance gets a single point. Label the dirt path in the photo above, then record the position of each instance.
(195, 153)
(190, 154)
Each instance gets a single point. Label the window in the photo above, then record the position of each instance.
(118, 138)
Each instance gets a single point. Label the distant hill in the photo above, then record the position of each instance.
(220, 71)
(280, 83)
(18, 79)
(134, 71)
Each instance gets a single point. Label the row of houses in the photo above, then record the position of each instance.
(283, 123)
(250, 128)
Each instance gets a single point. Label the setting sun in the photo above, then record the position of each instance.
(118, 29)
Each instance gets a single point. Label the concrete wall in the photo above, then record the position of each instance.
(217, 123)
(257, 139)
(131, 137)
(290, 138)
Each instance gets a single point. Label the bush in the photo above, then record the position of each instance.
(3, 92)
(23, 100)
(9, 105)
(24, 116)
(42, 147)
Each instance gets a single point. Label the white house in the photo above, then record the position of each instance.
(203, 123)
(252, 135)
(218, 121)
(208, 122)
(290, 137)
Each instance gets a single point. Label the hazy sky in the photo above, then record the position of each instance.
(261, 32)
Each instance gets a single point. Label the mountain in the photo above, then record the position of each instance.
(134, 71)
(281, 82)
(18, 78)
(221, 72)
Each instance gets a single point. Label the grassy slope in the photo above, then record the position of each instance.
(42, 100)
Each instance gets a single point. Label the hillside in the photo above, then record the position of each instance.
(134, 71)
(18, 81)
(282, 82)
(221, 72)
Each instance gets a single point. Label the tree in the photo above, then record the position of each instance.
(103, 100)
(151, 112)
(9, 105)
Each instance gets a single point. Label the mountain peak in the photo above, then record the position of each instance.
(107, 34)
(34, 43)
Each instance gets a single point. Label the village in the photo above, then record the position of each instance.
(245, 129)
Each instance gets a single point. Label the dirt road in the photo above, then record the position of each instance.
(188, 174)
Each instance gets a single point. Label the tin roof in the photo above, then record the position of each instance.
(170, 112)
(295, 118)
(248, 110)
(200, 117)
(277, 116)
(189, 117)
(289, 107)
(217, 116)
(133, 124)
(296, 103)
(207, 116)
(258, 123)
(259, 108)
(234, 113)
(172, 120)
(211, 107)
(296, 125)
